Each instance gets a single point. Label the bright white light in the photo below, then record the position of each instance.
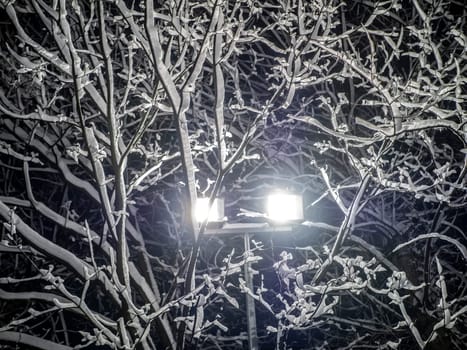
(284, 207)
(202, 210)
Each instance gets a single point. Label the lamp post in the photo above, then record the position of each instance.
(250, 302)
(282, 209)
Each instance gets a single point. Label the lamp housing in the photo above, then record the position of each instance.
(284, 207)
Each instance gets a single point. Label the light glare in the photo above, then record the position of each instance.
(284, 207)
(202, 210)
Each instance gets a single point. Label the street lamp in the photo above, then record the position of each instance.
(281, 208)
(284, 207)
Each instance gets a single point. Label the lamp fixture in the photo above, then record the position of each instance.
(284, 207)
(281, 207)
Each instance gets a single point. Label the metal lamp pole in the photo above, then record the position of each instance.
(246, 230)
(250, 301)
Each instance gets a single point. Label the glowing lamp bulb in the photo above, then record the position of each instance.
(282, 207)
